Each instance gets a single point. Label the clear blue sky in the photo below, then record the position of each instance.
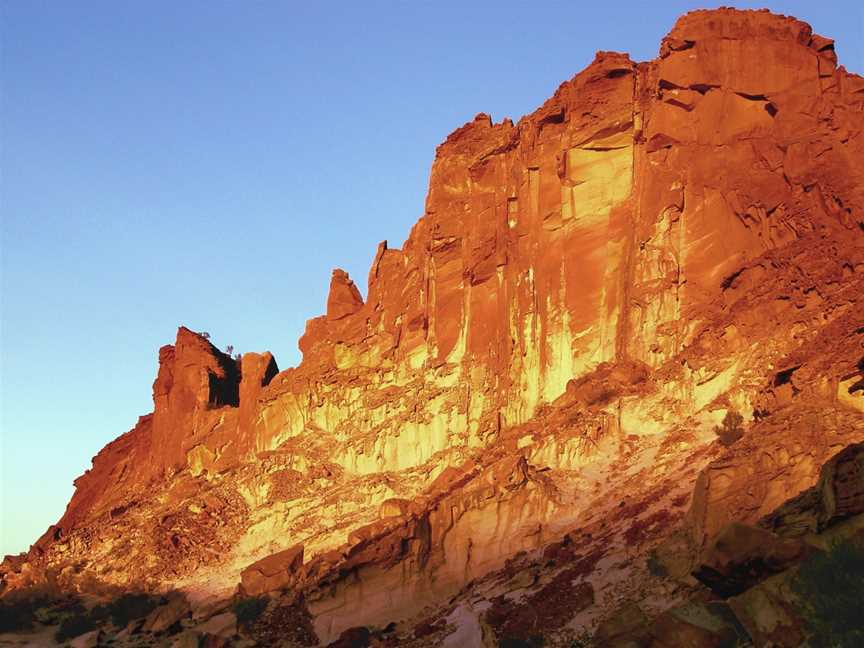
(209, 163)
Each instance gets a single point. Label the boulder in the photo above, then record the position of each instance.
(221, 625)
(797, 517)
(742, 555)
(275, 572)
(87, 640)
(166, 616)
(697, 625)
(187, 639)
(770, 613)
(207, 607)
(841, 485)
(627, 625)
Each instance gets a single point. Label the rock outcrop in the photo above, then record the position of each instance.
(522, 411)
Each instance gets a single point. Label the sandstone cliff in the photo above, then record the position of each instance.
(538, 369)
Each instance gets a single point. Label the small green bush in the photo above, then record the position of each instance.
(830, 589)
(47, 615)
(248, 610)
(582, 640)
(731, 429)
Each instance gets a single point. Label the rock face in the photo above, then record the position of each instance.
(774, 588)
(537, 372)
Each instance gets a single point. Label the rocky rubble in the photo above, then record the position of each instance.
(512, 439)
(766, 585)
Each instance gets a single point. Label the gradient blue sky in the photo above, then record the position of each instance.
(209, 163)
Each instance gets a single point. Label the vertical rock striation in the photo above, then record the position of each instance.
(588, 292)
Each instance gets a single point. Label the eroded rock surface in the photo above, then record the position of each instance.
(522, 410)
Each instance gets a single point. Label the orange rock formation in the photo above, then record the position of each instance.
(538, 370)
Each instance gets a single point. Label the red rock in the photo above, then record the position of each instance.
(344, 298)
(394, 507)
(695, 625)
(257, 370)
(275, 572)
(588, 292)
(841, 484)
(166, 616)
(742, 555)
(626, 623)
(195, 378)
(762, 470)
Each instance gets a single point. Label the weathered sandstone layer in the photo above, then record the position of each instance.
(588, 292)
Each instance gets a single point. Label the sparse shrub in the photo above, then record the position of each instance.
(74, 626)
(60, 611)
(15, 617)
(582, 640)
(830, 589)
(131, 606)
(47, 615)
(100, 613)
(21, 609)
(731, 429)
(248, 610)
